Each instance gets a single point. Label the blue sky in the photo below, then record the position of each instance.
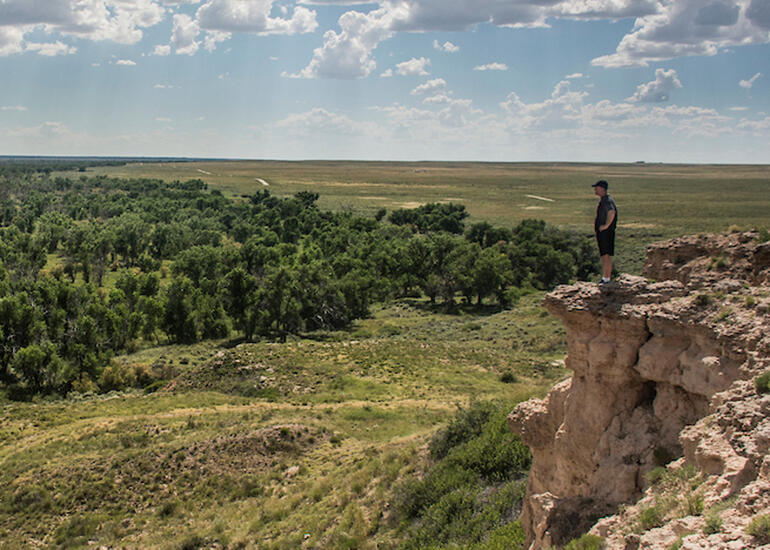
(497, 80)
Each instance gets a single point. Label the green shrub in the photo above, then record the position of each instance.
(764, 235)
(116, 377)
(508, 377)
(467, 424)
(655, 475)
(713, 524)
(724, 313)
(587, 542)
(704, 300)
(650, 517)
(389, 330)
(676, 545)
(762, 383)
(411, 497)
(759, 528)
(507, 537)
(192, 542)
(693, 504)
(474, 486)
(155, 386)
(718, 263)
(169, 508)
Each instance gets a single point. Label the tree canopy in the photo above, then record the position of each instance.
(91, 266)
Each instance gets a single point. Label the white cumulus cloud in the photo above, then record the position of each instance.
(659, 90)
(414, 66)
(445, 47)
(748, 84)
(691, 27)
(50, 49)
(430, 87)
(756, 126)
(118, 21)
(253, 16)
(184, 35)
(348, 54)
(319, 121)
(491, 67)
(126, 62)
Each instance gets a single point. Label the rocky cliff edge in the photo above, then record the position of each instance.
(664, 375)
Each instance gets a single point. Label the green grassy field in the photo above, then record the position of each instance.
(295, 445)
(655, 201)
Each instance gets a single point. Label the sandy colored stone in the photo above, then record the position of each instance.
(661, 368)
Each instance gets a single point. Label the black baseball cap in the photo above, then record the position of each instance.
(601, 183)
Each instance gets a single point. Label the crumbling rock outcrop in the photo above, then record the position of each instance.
(661, 370)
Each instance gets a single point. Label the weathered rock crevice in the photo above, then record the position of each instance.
(650, 362)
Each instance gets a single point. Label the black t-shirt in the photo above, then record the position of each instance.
(605, 205)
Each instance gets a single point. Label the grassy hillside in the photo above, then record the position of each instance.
(655, 201)
(297, 445)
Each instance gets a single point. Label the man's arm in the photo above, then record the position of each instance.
(610, 219)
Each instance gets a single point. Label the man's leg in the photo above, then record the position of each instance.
(606, 266)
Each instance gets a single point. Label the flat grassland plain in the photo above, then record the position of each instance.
(305, 444)
(655, 201)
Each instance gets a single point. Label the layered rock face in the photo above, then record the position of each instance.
(662, 370)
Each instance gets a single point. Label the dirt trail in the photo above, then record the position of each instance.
(67, 431)
(539, 198)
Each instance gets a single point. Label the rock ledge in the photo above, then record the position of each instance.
(661, 371)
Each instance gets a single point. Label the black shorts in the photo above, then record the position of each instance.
(606, 241)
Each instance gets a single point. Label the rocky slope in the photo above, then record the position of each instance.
(664, 374)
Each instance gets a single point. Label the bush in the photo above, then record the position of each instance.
(473, 487)
(650, 517)
(762, 383)
(192, 542)
(507, 537)
(704, 300)
(587, 542)
(713, 524)
(759, 528)
(117, 377)
(169, 508)
(656, 475)
(508, 377)
(693, 504)
(467, 424)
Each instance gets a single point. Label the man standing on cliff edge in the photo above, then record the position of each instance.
(604, 227)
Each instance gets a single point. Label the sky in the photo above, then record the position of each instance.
(684, 81)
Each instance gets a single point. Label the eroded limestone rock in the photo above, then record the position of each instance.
(660, 370)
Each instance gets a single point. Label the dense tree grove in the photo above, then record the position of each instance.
(91, 266)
